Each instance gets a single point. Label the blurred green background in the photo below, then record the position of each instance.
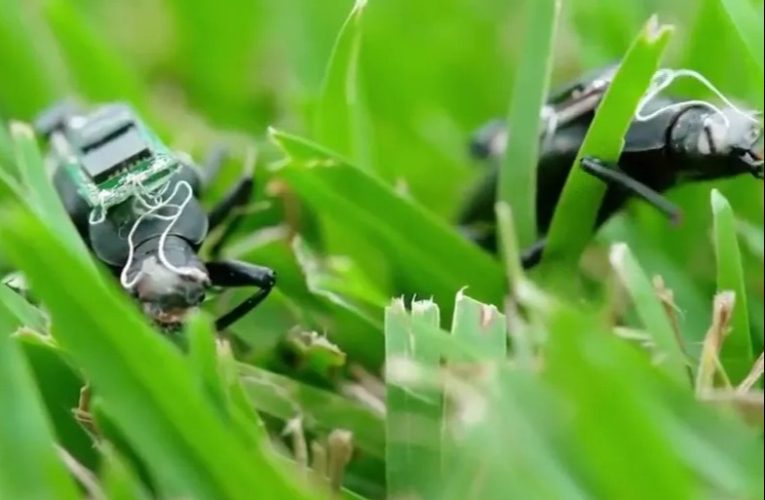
(429, 73)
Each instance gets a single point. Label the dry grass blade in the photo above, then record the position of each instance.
(709, 363)
(756, 374)
(749, 405)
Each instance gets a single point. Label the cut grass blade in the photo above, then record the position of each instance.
(575, 215)
(284, 398)
(747, 22)
(517, 184)
(481, 326)
(650, 311)
(31, 467)
(737, 354)
(430, 257)
(413, 423)
(339, 122)
(168, 419)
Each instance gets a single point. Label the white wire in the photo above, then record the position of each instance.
(665, 77)
(152, 209)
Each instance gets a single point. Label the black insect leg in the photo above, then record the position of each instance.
(611, 174)
(213, 164)
(232, 274)
(532, 256)
(237, 197)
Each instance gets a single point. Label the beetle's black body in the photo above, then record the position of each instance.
(164, 294)
(678, 145)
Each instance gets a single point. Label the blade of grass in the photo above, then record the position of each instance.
(748, 24)
(31, 468)
(168, 419)
(413, 415)
(509, 245)
(285, 398)
(25, 313)
(430, 257)
(737, 354)
(59, 384)
(42, 197)
(650, 311)
(366, 335)
(339, 122)
(481, 326)
(517, 184)
(574, 217)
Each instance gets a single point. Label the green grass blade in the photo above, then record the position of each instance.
(26, 314)
(31, 468)
(59, 384)
(43, 198)
(749, 25)
(365, 338)
(518, 176)
(285, 398)
(431, 257)
(481, 326)
(413, 422)
(167, 418)
(650, 311)
(574, 218)
(120, 482)
(339, 119)
(737, 354)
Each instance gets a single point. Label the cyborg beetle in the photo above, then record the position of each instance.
(149, 239)
(668, 143)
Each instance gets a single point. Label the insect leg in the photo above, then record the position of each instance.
(532, 256)
(231, 274)
(611, 174)
(213, 164)
(237, 197)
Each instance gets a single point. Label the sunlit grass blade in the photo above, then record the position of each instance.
(168, 419)
(650, 311)
(736, 355)
(284, 398)
(518, 176)
(430, 257)
(413, 415)
(340, 121)
(575, 215)
(747, 21)
(30, 467)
